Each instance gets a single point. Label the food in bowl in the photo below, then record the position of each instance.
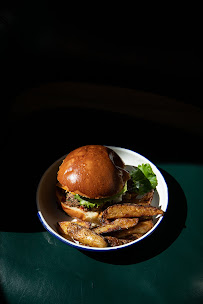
(108, 203)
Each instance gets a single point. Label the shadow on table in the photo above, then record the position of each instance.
(166, 233)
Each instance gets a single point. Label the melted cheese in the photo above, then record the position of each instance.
(62, 187)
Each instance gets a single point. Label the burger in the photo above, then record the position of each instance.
(90, 179)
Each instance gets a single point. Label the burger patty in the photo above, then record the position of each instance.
(71, 200)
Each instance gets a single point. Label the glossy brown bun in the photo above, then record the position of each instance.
(93, 171)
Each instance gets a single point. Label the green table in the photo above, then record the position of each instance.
(38, 268)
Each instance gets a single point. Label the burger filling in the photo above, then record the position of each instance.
(72, 199)
(76, 200)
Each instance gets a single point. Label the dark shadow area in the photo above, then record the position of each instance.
(3, 300)
(40, 45)
(34, 142)
(165, 234)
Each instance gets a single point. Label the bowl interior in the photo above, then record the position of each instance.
(49, 214)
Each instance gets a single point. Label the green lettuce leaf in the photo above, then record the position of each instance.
(149, 174)
(90, 203)
(85, 202)
(143, 179)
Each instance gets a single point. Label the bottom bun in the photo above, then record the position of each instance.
(75, 212)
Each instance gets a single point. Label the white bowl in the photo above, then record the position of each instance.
(49, 214)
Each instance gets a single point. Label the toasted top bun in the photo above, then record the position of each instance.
(93, 171)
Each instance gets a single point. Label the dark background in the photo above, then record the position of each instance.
(153, 52)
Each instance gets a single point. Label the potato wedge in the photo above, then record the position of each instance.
(61, 227)
(133, 236)
(140, 228)
(130, 210)
(82, 223)
(129, 197)
(82, 234)
(118, 224)
(145, 218)
(113, 241)
(145, 200)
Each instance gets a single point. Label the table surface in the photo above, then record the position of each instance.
(49, 121)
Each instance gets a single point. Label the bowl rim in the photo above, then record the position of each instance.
(83, 247)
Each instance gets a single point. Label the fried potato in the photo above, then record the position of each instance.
(113, 241)
(130, 210)
(129, 197)
(140, 228)
(61, 227)
(133, 236)
(145, 200)
(82, 223)
(145, 218)
(82, 234)
(118, 224)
